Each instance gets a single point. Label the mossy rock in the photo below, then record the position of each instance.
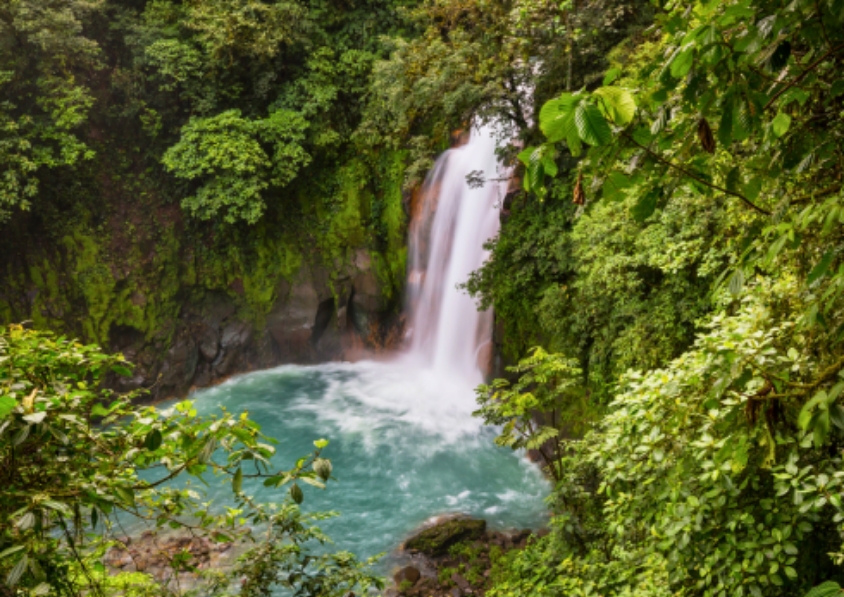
(435, 541)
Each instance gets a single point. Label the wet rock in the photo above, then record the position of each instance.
(435, 540)
(407, 574)
(209, 343)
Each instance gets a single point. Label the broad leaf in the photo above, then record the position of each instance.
(781, 123)
(617, 104)
(591, 125)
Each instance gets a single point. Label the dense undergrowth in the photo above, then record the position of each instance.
(686, 270)
(674, 248)
(149, 152)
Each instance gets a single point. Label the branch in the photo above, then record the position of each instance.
(800, 77)
(693, 176)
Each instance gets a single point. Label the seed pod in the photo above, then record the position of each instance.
(579, 196)
(704, 133)
(296, 494)
(322, 467)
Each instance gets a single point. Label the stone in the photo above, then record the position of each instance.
(407, 574)
(455, 592)
(209, 344)
(435, 540)
(461, 582)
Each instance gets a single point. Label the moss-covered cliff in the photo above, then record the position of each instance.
(319, 277)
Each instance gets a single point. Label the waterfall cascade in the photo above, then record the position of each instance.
(404, 442)
(450, 225)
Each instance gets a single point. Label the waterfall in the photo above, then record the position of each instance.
(450, 224)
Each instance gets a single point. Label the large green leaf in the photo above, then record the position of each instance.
(682, 63)
(556, 119)
(781, 123)
(591, 125)
(617, 104)
(616, 185)
(827, 589)
(7, 405)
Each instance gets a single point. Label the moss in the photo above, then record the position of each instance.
(436, 540)
(444, 576)
(140, 269)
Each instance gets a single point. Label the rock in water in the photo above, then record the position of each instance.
(435, 541)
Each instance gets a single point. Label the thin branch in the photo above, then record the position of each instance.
(693, 176)
(800, 77)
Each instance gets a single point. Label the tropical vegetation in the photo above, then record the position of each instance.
(667, 280)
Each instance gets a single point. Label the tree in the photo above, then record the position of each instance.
(43, 99)
(77, 462)
(533, 411)
(236, 160)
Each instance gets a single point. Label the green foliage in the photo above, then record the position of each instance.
(710, 166)
(827, 589)
(483, 60)
(42, 103)
(227, 153)
(532, 411)
(79, 463)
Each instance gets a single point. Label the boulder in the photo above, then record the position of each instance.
(435, 540)
(461, 583)
(407, 574)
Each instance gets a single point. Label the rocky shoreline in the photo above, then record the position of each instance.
(155, 553)
(451, 556)
(454, 556)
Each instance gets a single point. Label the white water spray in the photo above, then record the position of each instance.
(451, 224)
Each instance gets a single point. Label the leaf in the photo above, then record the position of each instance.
(780, 124)
(557, 121)
(35, 418)
(313, 482)
(16, 573)
(25, 522)
(836, 415)
(9, 551)
(7, 405)
(734, 181)
(99, 411)
(753, 188)
(126, 495)
(611, 76)
(682, 63)
(821, 268)
(207, 450)
(615, 186)
(736, 282)
(725, 126)
(57, 506)
(237, 481)
(153, 440)
(827, 589)
(645, 207)
(591, 125)
(617, 103)
(122, 370)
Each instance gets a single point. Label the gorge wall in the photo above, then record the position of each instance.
(319, 278)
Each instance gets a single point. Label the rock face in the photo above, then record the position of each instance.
(435, 541)
(453, 557)
(153, 554)
(314, 318)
